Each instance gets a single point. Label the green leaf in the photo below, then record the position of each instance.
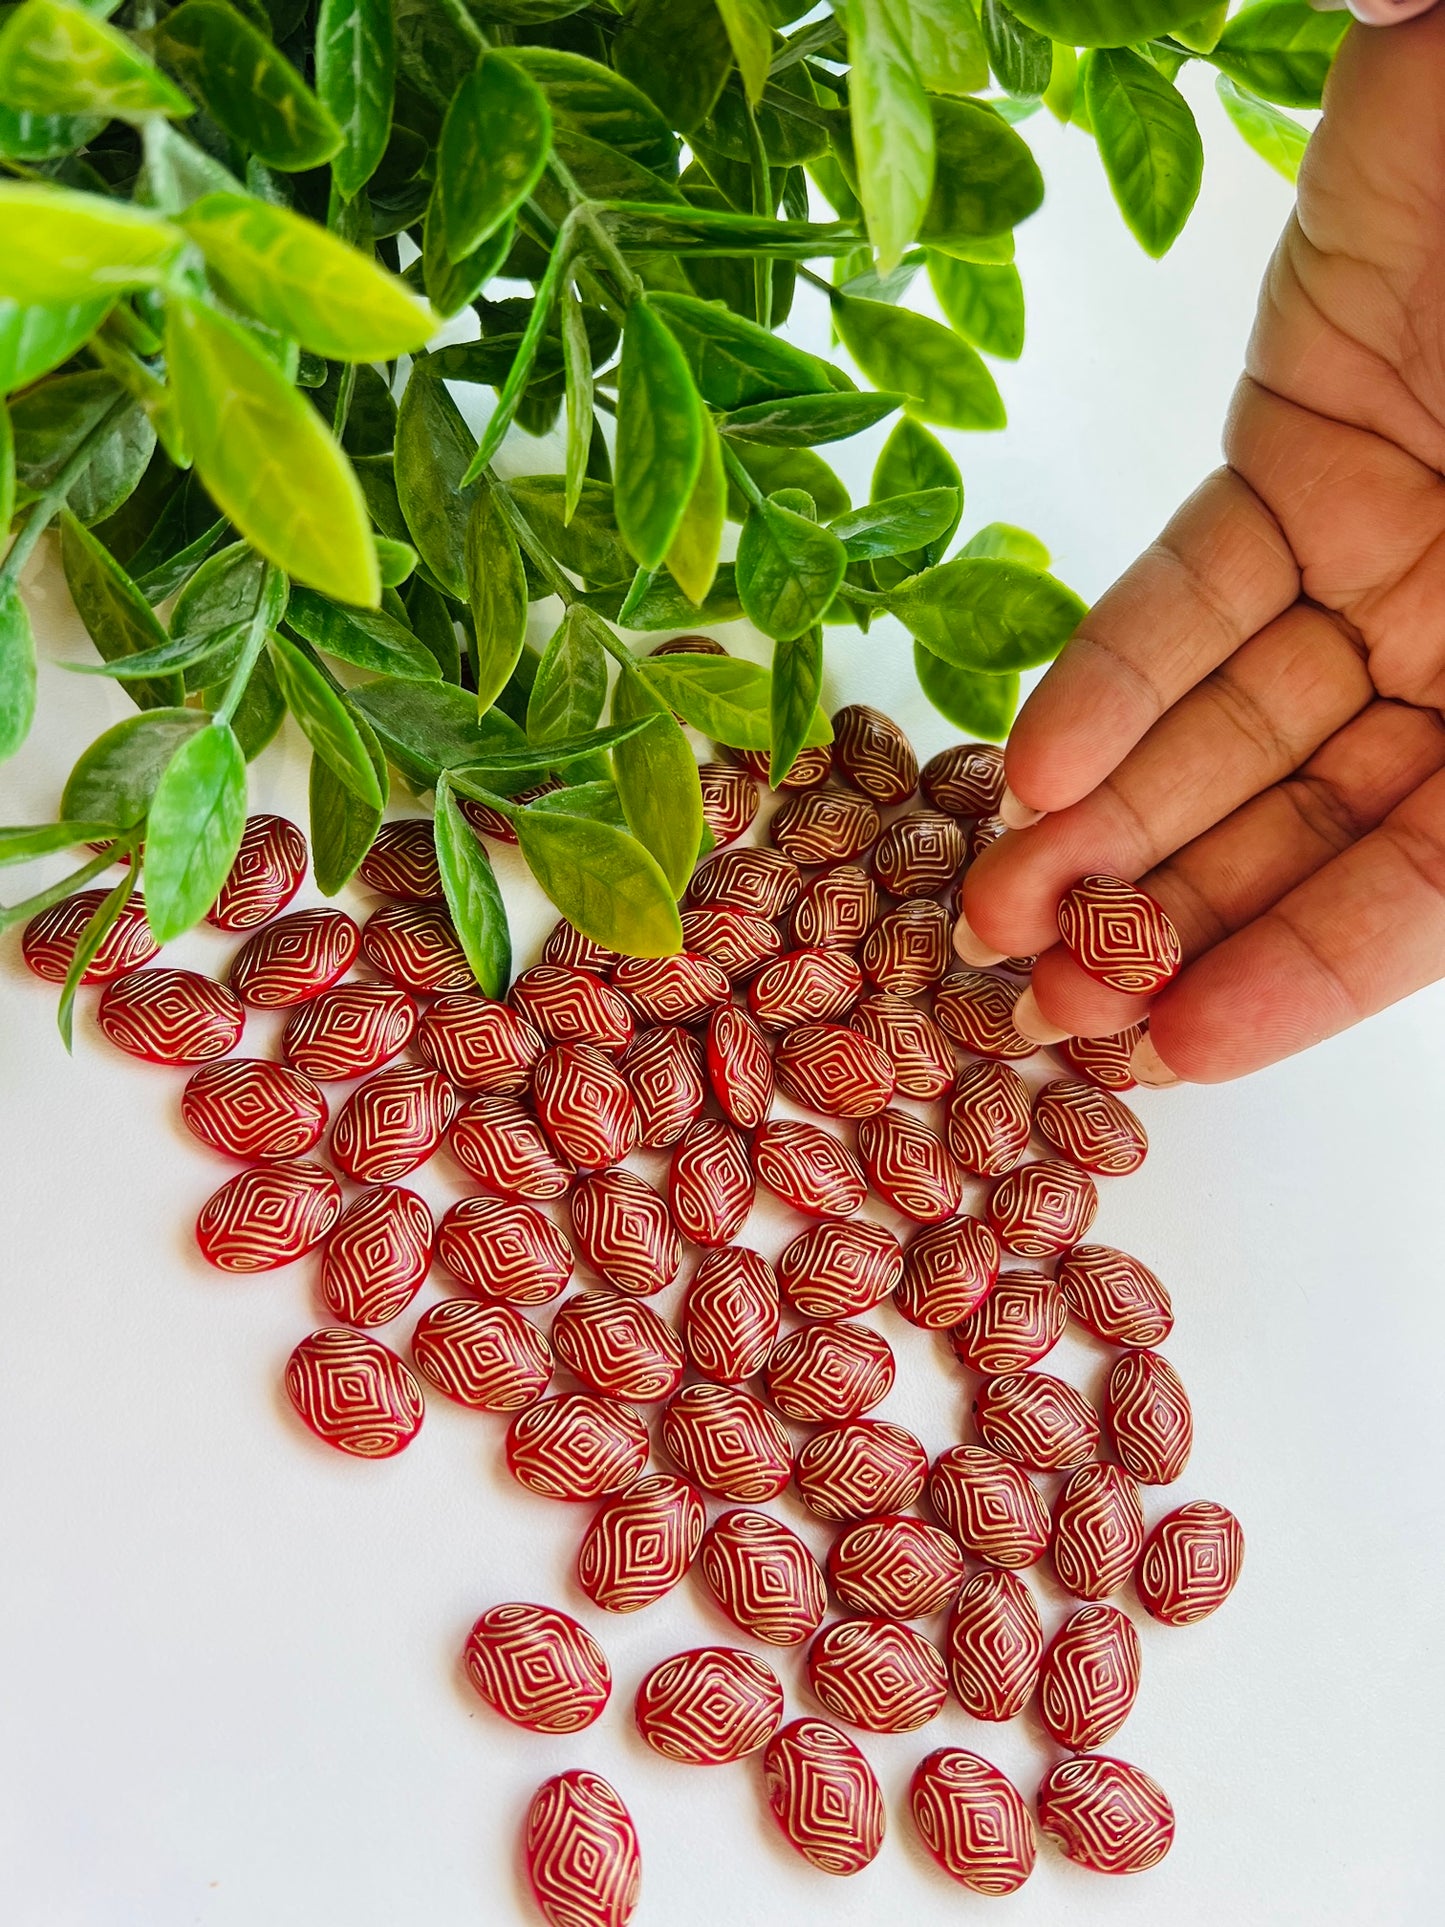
(1201, 36)
(981, 613)
(678, 53)
(101, 922)
(984, 304)
(7, 470)
(726, 697)
(571, 683)
(779, 468)
(260, 712)
(577, 361)
(1002, 539)
(980, 704)
(750, 30)
(472, 896)
(591, 544)
(60, 59)
(804, 420)
(797, 684)
(659, 436)
(35, 339)
(985, 182)
(265, 456)
(194, 830)
(944, 39)
(343, 827)
(515, 386)
(1148, 142)
(58, 247)
(366, 638)
(117, 617)
(1020, 56)
(304, 282)
(17, 671)
(734, 362)
(433, 449)
(912, 459)
(655, 602)
(432, 622)
(355, 82)
(247, 87)
(1105, 23)
(598, 801)
(326, 721)
(426, 728)
(1272, 134)
(692, 555)
(943, 378)
(525, 763)
(1281, 50)
(603, 881)
(448, 288)
(396, 560)
(497, 594)
(898, 524)
(44, 137)
(493, 147)
(115, 778)
(20, 842)
(892, 129)
(788, 569)
(232, 596)
(587, 98)
(172, 571)
(640, 227)
(657, 779)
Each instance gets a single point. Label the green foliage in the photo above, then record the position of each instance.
(1148, 142)
(1281, 50)
(193, 829)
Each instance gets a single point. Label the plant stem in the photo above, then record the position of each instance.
(813, 39)
(241, 675)
(807, 274)
(47, 506)
(345, 389)
(531, 542)
(740, 475)
(762, 197)
(583, 205)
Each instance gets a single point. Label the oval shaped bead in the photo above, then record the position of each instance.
(762, 882)
(824, 1796)
(709, 1706)
(479, 1044)
(1036, 1419)
(739, 1067)
(569, 1006)
(908, 948)
(710, 1183)
(574, 1446)
(641, 1543)
(503, 1248)
(909, 1166)
(764, 1577)
(392, 1123)
(618, 1347)
(1115, 1297)
(727, 1442)
(1191, 1562)
(877, 1674)
(1092, 1127)
(378, 1256)
(730, 1314)
(918, 1051)
(664, 1072)
(824, 825)
(966, 779)
(976, 1010)
(503, 1148)
(566, 945)
(737, 942)
(811, 766)
(1090, 1678)
(839, 1268)
(835, 909)
(987, 830)
(294, 958)
(1041, 1209)
(990, 1505)
(349, 1030)
(835, 1070)
(896, 1566)
(729, 800)
(871, 752)
(488, 1357)
(808, 1169)
(268, 1215)
(1150, 1419)
(48, 942)
(402, 862)
(1019, 1322)
(1104, 1061)
(973, 1821)
(988, 1119)
(537, 1667)
(860, 1468)
(416, 946)
(1119, 935)
(246, 1107)
(354, 1393)
(170, 1016)
(830, 1372)
(1105, 1814)
(266, 873)
(1098, 1531)
(580, 1847)
(948, 1271)
(583, 1103)
(805, 987)
(995, 1645)
(622, 1229)
(919, 854)
(680, 989)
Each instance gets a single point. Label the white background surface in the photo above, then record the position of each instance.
(229, 1692)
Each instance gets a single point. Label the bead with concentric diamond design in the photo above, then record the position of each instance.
(987, 1119)
(537, 1667)
(575, 1447)
(729, 800)
(570, 1006)
(269, 864)
(1102, 1060)
(976, 1010)
(809, 1170)
(392, 1123)
(877, 1674)
(49, 940)
(488, 1357)
(966, 779)
(830, 1372)
(585, 1106)
(737, 942)
(1042, 1209)
(805, 987)
(503, 1248)
(354, 1392)
(1092, 1127)
(641, 1543)
(994, 1645)
(567, 946)
(1115, 1296)
(763, 882)
(402, 862)
(248, 1108)
(582, 1857)
(618, 1347)
(811, 766)
(503, 1148)
(709, 1706)
(824, 1796)
(834, 1070)
(1037, 1419)
(348, 1030)
(835, 909)
(860, 1468)
(1098, 1531)
(623, 1230)
(895, 1565)
(764, 1577)
(919, 854)
(909, 1166)
(948, 1271)
(479, 1044)
(739, 1067)
(824, 826)
(1090, 1678)
(871, 752)
(710, 1183)
(1119, 935)
(990, 1505)
(1150, 1420)
(973, 1821)
(730, 1314)
(1191, 1562)
(1107, 1815)
(378, 1256)
(268, 1215)
(680, 989)
(1019, 1322)
(908, 948)
(727, 1442)
(920, 1054)
(416, 946)
(839, 1268)
(294, 958)
(664, 1069)
(987, 830)
(170, 1016)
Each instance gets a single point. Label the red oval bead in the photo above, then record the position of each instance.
(1115, 1297)
(739, 1067)
(835, 909)
(580, 1846)
(505, 1249)
(1041, 1209)
(727, 1442)
(863, 1467)
(349, 1030)
(354, 1393)
(624, 1232)
(1092, 1127)
(990, 1505)
(830, 1372)
(895, 1565)
(710, 1183)
(1038, 1420)
(1191, 1561)
(688, 646)
(1106, 1814)
(763, 882)
(269, 864)
(681, 989)
(966, 779)
(170, 1016)
(49, 941)
(709, 1706)
(824, 826)
(976, 1011)
(764, 1577)
(736, 941)
(824, 1796)
(416, 945)
(485, 1356)
(248, 1108)
(618, 1347)
(988, 1119)
(378, 1256)
(804, 987)
(1098, 1531)
(641, 1543)
(877, 1674)
(267, 1215)
(810, 766)
(838, 1268)
(920, 1054)
(834, 1070)
(987, 830)
(566, 945)
(1119, 935)
(871, 752)
(729, 800)
(730, 1314)
(909, 1166)
(294, 958)
(402, 862)
(574, 1447)
(1019, 1322)
(664, 1072)
(479, 1044)
(1103, 1061)
(584, 1105)
(809, 1170)
(995, 1644)
(502, 1147)
(973, 1821)
(568, 1006)
(908, 948)
(537, 1667)
(392, 1123)
(1149, 1417)
(948, 1271)
(919, 854)
(1090, 1678)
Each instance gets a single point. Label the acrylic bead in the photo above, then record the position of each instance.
(1191, 1563)
(568, 1006)
(505, 1249)
(804, 987)
(762, 882)
(487, 1357)
(622, 1229)
(246, 1107)
(416, 946)
(49, 940)
(1102, 1060)
(824, 826)
(808, 1169)
(990, 1505)
(664, 1069)
(481, 1045)
(1115, 1297)
(908, 948)
(909, 1166)
(994, 1646)
(1090, 1678)
(268, 1215)
(502, 1147)
(641, 1543)
(824, 1796)
(836, 1269)
(976, 1011)
(1092, 1127)
(764, 1577)
(834, 1070)
(739, 1067)
(729, 800)
(402, 862)
(709, 1706)
(1098, 1531)
(575, 1447)
(294, 958)
(1019, 1322)
(1105, 1814)
(830, 1372)
(730, 1314)
(1040, 1210)
(583, 1103)
(537, 1667)
(392, 1123)
(378, 1256)
(988, 1119)
(1149, 1416)
(269, 865)
(920, 1054)
(871, 752)
(859, 1469)
(618, 1347)
(811, 766)
(736, 941)
(710, 1183)
(966, 780)
(681, 989)
(354, 1393)
(566, 945)
(900, 1567)
(727, 1442)
(986, 831)
(1119, 935)
(835, 909)
(919, 854)
(948, 1271)
(582, 1857)
(1038, 1420)
(877, 1674)
(973, 1821)
(170, 1016)
(348, 1031)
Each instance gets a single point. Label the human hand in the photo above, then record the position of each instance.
(1248, 722)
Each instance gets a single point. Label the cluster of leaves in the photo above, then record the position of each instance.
(227, 235)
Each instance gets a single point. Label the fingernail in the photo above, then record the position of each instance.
(1149, 1067)
(1329, 6)
(1387, 13)
(971, 947)
(1029, 1019)
(1018, 816)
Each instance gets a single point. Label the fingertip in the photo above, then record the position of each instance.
(1015, 814)
(1032, 1023)
(1148, 1067)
